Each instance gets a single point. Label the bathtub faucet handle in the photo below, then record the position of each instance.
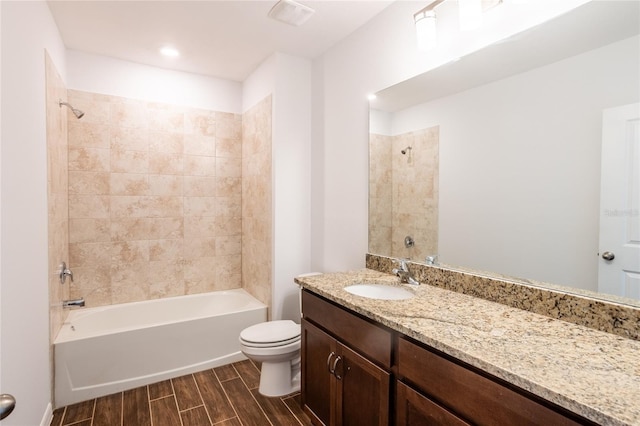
(64, 273)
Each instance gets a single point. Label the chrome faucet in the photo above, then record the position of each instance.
(73, 303)
(404, 273)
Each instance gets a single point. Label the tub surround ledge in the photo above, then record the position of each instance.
(587, 371)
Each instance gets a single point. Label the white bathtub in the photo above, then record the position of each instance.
(109, 349)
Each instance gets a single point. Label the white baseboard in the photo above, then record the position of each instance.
(48, 416)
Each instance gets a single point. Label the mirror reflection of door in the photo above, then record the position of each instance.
(619, 261)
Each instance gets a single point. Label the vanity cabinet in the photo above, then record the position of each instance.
(358, 372)
(431, 382)
(345, 374)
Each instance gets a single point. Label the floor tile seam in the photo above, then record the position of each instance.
(64, 413)
(233, 407)
(175, 399)
(243, 381)
(146, 388)
(80, 420)
(254, 398)
(289, 408)
(121, 408)
(202, 399)
(223, 381)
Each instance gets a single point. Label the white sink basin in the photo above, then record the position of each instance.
(379, 291)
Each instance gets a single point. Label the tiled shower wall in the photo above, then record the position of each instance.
(155, 196)
(57, 197)
(404, 194)
(257, 221)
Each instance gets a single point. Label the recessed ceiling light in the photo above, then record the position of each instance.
(169, 52)
(291, 12)
(372, 97)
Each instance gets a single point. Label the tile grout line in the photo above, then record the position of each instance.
(175, 399)
(251, 393)
(202, 399)
(233, 407)
(289, 408)
(93, 412)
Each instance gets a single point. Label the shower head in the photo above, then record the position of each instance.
(79, 114)
(407, 149)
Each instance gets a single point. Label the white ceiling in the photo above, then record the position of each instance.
(224, 39)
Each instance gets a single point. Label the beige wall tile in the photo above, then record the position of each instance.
(166, 250)
(229, 167)
(199, 165)
(226, 147)
(88, 230)
(166, 185)
(89, 159)
(166, 163)
(89, 182)
(89, 206)
(196, 144)
(127, 229)
(127, 206)
(157, 198)
(200, 186)
(161, 228)
(88, 135)
(136, 139)
(166, 142)
(129, 184)
(126, 161)
(88, 254)
(200, 206)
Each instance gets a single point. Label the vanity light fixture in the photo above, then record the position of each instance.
(425, 21)
(470, 17)
(291, 12)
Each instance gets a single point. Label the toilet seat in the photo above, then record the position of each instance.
(271, 334)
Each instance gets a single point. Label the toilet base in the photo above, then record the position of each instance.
(279, 378)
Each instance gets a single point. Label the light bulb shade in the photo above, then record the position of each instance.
(426, 29)
(470, 13)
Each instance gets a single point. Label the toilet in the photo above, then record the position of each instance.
(276, 344)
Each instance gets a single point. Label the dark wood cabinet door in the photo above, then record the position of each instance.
(414, 409)
(318, 385)
(362, 391)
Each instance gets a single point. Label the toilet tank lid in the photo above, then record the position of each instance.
(271, 332)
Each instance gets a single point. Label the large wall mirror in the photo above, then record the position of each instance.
(495, 162)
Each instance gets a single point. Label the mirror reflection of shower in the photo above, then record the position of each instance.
(79, 114)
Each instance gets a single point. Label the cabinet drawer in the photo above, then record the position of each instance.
(471, 395)
(414, 409)
(363, 336)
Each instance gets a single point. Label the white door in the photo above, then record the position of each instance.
(619, 267)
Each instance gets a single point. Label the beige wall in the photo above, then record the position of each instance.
(57, 197)
(154, 199)
(257, 217)
(404, 194)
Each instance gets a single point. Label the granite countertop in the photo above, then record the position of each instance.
(590, 372)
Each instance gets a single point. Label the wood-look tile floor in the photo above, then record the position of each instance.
(223, 396)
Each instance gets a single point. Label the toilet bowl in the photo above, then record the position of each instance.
(276, 344)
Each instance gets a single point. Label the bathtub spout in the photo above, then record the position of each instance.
(73, 303)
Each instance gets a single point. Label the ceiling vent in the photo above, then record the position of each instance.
(290, 12)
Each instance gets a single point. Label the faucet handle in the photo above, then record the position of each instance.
(64, 273)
